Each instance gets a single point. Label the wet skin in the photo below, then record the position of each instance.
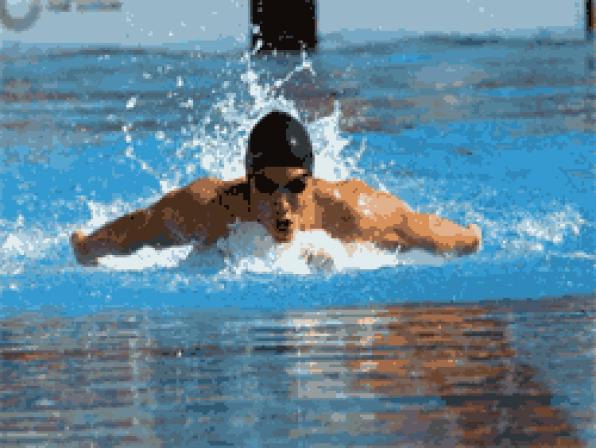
(284, 200)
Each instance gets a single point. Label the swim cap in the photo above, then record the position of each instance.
(278, 139)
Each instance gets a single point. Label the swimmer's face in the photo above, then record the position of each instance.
(278, 195)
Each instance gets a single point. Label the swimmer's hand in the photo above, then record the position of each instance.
(81, 251)
(476, 234)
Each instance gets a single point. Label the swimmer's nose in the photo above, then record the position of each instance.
(283, 205)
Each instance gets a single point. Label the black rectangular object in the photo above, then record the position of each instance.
(284, 25)
(590, 23)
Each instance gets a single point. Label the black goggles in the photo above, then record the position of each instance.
(265, 185)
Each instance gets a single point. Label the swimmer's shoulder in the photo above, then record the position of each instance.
(213, 191)
(202, 195)
(184, 200)
(337, 204)
(207, 203)
(204, 190)
(353, 194)
(344, 191)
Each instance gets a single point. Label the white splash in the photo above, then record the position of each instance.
(553, 227)
(219, 143)
(22, 242)
(250, 249)
(147, 257)
(536, 232)
(131, 103)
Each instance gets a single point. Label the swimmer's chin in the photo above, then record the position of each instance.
(282, 232)
(283, 236)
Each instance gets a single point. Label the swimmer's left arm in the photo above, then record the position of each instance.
(395, 224)
(437, 234)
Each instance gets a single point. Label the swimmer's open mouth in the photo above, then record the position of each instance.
(283, 225)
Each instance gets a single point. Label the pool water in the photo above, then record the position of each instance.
(499, 133)
(492, 374)
(494, 132)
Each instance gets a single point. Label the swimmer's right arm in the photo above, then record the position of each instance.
(153, 226)
(190, 214)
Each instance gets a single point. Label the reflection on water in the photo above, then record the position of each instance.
(409, 375)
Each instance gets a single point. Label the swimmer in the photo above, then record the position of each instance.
(279, 192)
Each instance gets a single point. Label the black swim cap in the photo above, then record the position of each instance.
(278, 139)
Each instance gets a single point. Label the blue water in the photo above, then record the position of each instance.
(499, 133)
(199, 349)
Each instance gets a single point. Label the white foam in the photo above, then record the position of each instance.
(21, 242)
(250, 249)
(147, 257)
(581, 255)
(535, 233)
(131, 103)
(552, 227)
